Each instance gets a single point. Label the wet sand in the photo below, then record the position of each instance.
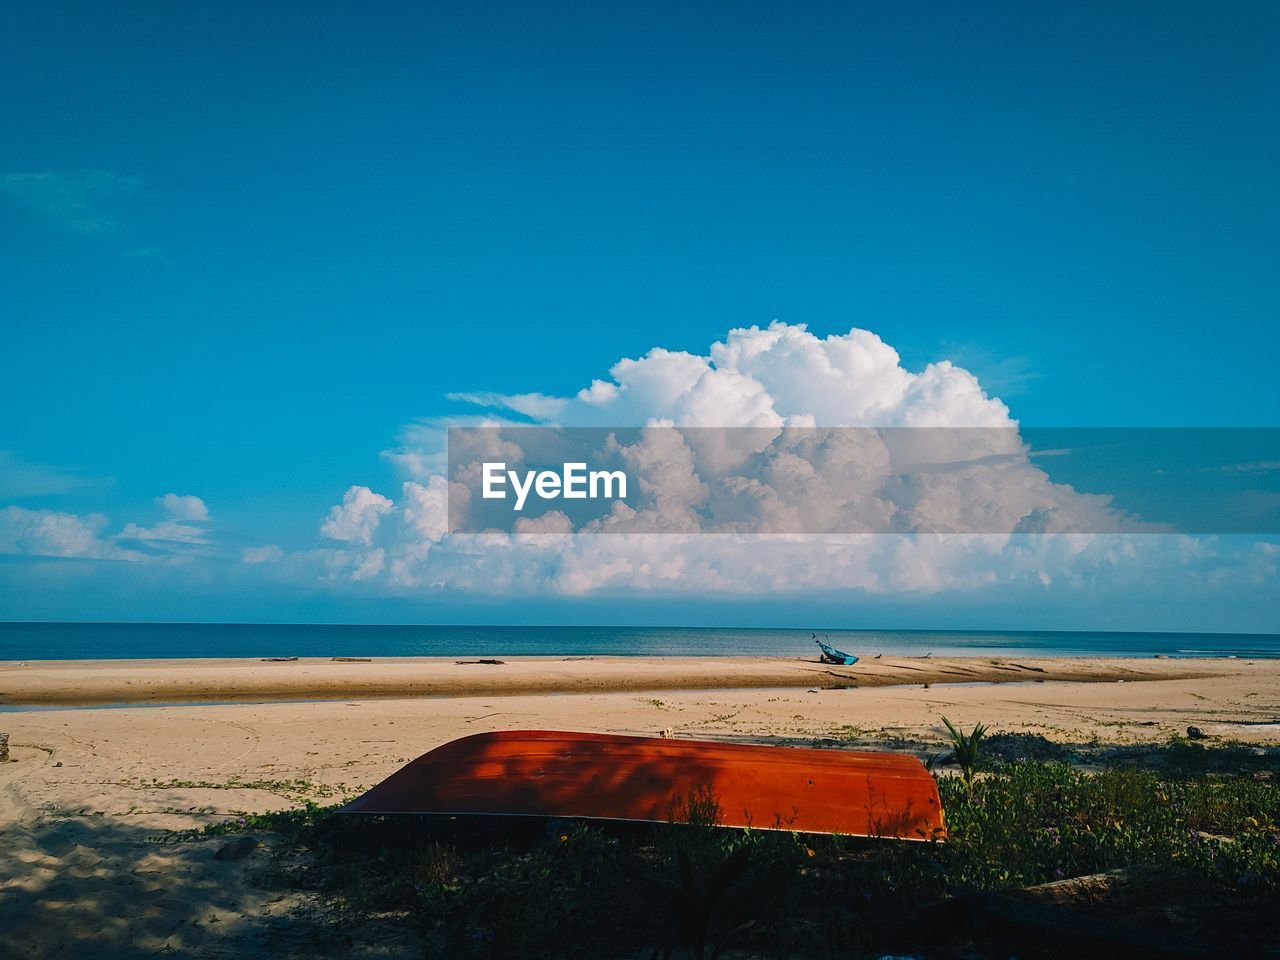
(130, 681)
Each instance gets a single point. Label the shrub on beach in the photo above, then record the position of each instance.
(1035, 822)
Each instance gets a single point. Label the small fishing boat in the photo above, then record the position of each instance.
(832, 655)
(593, 776)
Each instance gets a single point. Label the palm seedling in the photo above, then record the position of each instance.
(966, 749)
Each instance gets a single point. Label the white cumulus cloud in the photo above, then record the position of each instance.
(762, 377)
(356, 519)
(773, 378)
(49, 533)
(184, 506)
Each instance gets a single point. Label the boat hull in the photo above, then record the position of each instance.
(543, 773)
(832, 655)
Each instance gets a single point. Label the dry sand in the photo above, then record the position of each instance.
(87, 788)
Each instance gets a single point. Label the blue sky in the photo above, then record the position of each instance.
(244, 245)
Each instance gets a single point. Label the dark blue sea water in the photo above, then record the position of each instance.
(77, 641)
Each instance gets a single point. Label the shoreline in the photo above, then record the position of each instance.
(203, 680)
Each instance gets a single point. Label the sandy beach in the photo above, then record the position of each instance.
(97, 682)
(87, 789)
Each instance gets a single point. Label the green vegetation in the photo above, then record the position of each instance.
(1200, 838)
(965, 748)
(1033, 822)
(291, 789)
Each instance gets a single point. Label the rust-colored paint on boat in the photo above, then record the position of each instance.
(547, 773)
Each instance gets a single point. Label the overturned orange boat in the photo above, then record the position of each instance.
(544, 773)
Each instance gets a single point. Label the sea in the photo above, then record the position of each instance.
(112, 641)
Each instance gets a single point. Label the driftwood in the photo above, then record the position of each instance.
(353, 659)
(279, 659)
(4, 747)
(1076, 891)
(495, 663)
